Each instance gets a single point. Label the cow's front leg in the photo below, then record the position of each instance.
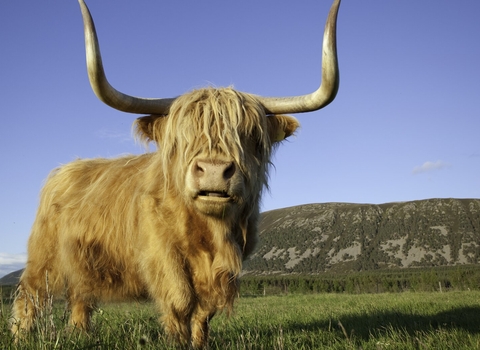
(200, 327)
(171, 288)
(177, 313)
(81, 314)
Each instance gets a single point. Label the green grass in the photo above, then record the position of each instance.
(317, 321)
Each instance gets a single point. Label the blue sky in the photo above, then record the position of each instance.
(404, 126)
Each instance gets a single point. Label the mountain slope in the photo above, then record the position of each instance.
(11, 279)
(343, 237)
(356, 237)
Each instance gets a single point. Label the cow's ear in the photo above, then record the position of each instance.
(149, 128)
(281, 126)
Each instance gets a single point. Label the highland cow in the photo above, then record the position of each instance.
(173, 225)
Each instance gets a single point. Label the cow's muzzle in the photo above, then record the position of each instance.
(213, 177)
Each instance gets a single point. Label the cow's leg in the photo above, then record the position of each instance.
(33, 292)
(81, 313)
(174, 295)
(177, 312)
(24, 310)
(200, 327)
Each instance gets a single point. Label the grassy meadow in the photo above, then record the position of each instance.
(420, 320)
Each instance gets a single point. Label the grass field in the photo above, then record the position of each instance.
(449, 320)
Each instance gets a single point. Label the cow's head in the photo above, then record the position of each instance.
(215, 146)
(220, 140)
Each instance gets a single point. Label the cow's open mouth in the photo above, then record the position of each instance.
(214, 203)
(214, 197)
(213, 194)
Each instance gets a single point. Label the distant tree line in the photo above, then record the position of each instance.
(6, 295)
(464, 277)
(441, 279)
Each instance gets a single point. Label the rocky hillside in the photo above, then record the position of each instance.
(342, 237)
(11, 279)
(358, 237)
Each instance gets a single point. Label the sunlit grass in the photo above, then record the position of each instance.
(322, 321)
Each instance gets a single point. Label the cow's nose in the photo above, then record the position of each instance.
(216, 171)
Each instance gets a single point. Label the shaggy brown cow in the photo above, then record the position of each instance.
(173, 225)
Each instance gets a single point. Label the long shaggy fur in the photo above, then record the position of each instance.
(131, 227)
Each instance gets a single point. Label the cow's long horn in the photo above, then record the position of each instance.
(330, 77)
(274, 105)
(100, 85)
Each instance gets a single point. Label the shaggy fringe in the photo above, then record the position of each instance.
(214, 119)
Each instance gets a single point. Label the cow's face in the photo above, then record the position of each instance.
(215, 146)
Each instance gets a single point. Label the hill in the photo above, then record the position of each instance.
(11, 279)
(342, 237)
(345, 237)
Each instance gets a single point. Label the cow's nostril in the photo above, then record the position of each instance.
(229, 171)
(199, 170)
